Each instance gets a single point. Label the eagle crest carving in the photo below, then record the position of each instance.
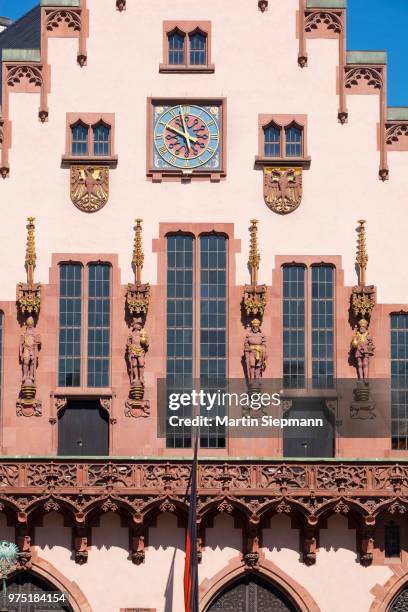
(89, 187)
(282, 189)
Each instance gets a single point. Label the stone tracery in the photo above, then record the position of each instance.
(372, 490)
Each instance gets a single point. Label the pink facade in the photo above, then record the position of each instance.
(91, 118)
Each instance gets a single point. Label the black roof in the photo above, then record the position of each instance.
(25, 33)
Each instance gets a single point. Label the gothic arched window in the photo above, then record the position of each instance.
(79, 133)
(176, 48)
(272, 140)
(293, 137)
(101, 139)
(198, 48)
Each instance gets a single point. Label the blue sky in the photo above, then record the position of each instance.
(372, 24)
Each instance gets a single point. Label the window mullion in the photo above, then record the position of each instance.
(308, 324)
(90, 140)
(84, 334)
(282, 142)
(196, 307)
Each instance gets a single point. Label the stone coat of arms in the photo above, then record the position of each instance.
(282, 189)
(89, 187)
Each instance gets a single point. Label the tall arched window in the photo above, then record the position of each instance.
(294, 343)
(322, 327)
(399, 381)
(99, 295)
(75, 367)
(272, 137)
(70, 323)
(392, 545)
(101, 139)
(308, 290)
(79, 139)
(197, 292)
(293, 136)
(176, 48)
(198, 48)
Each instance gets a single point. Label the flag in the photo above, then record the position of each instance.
(191, 563)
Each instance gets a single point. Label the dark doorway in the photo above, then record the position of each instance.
(38, 594)
(252, 594)
(309, 441)
(83, 429)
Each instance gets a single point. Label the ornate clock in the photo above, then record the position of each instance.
(187, 139)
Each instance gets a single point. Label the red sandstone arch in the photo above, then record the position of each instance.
(209, 588)
(389, 590)
(44, 569)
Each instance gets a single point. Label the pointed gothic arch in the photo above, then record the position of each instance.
(269, 576)
(44, 575)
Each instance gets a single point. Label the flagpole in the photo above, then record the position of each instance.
(191, 562)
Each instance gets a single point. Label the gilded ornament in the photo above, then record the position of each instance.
(29, 293)
(363, 301)
(254, 302)
(282, 189)
(89, 187)
(29, 300)
(254, 298)
(137, 299)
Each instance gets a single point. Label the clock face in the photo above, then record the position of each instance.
(187, 137)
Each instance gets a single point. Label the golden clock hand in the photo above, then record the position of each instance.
(185, 129)
(186, 136)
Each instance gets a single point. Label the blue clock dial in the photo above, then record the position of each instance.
(187, 137)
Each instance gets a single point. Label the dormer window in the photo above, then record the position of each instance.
(187, 47)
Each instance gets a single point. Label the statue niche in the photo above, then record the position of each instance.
(137, 302)
(254, 304)
(136, 348)
(255, 351)
(30, 344)
(362, 347)
(28, 304)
